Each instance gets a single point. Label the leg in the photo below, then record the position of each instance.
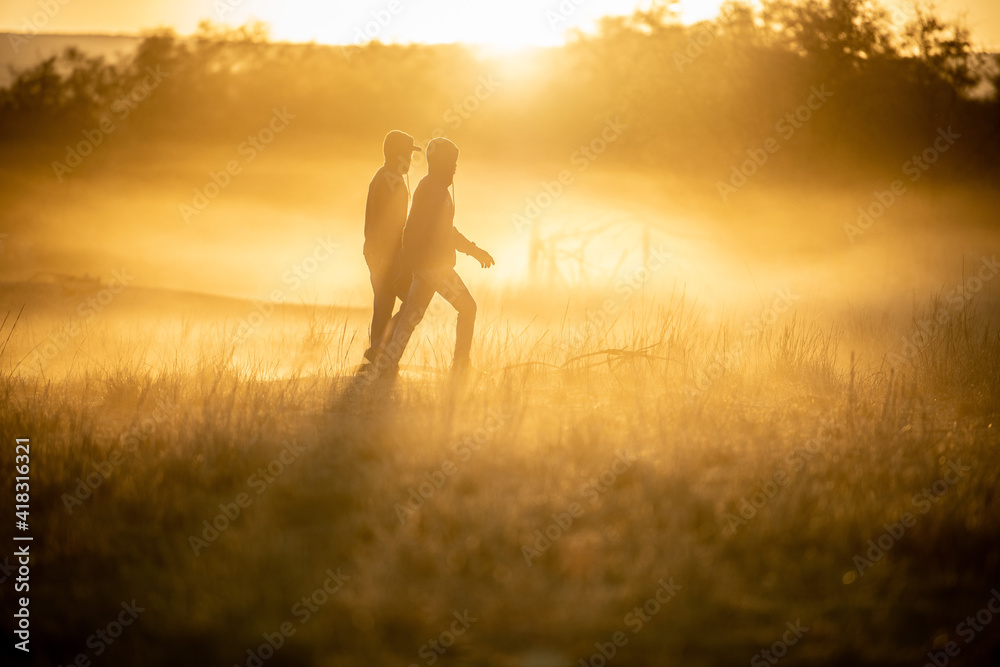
(382, 304)
(403, 279)
(455, 292)
(390, 331)
(409, 316)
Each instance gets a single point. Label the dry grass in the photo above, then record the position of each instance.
(704, 414)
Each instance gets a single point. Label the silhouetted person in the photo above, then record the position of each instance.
(385, 216)
(429, 244)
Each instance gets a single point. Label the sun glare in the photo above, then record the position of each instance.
(502, 28)
(692, 11)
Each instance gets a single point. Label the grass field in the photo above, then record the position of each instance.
(660, 486)
(679, 461)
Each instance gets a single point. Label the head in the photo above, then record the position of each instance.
(398, 150)
(442, 159)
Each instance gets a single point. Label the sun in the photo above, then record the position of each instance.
(693, 11)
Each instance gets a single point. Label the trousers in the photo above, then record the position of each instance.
(388, 284)
(427, 282)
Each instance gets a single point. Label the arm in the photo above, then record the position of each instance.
(374, 207)
(371, 208)
(467, 247)
(415, 229)
(463, 244)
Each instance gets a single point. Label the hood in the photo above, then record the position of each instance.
(442, 155)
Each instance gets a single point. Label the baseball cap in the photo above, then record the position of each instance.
(397, 142)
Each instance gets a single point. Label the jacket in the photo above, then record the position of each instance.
(429, 237)
(385, 215)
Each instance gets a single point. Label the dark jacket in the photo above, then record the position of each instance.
(385, 215)
(430, 238)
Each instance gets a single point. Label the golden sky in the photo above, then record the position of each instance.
(505, 23)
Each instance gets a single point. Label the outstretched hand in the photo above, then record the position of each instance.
(483, 257)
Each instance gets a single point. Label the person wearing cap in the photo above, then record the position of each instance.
(430, 241)
(385, 216)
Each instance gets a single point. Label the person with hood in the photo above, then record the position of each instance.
(385, 216)
(429, 244)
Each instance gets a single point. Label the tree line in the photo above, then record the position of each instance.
(831, 85)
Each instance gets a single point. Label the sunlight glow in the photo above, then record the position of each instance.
(503, 25)
(511, 25)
